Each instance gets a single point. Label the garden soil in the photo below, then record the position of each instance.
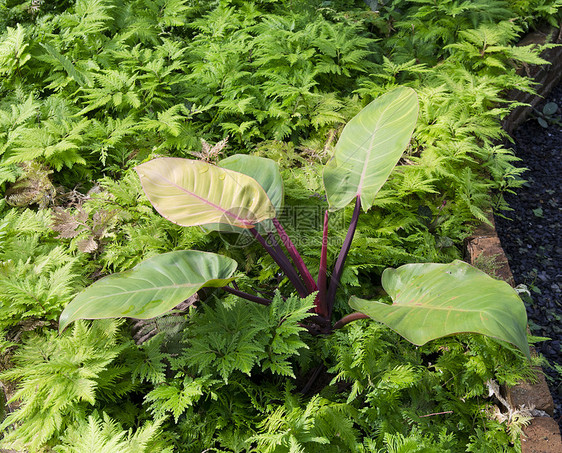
(530, 235)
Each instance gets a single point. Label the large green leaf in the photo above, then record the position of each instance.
(151, 288)
(190, 192)
(434, 300)
(370, 145)
(266, 173)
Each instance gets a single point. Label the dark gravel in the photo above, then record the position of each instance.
(531, 239)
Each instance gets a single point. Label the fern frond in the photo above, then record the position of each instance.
(177, 397)
(58, 379)
(13, 53)
(61, 62)
(57, 142)
(89, 17)
(105, 435)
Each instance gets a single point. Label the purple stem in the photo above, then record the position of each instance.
(320, 302)
(250, 297)
(340, 262)
(297, 259)
(349, 318)
(292, 273)
(282, 261)
(269, 294)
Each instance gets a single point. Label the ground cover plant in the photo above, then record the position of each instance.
(91, 89)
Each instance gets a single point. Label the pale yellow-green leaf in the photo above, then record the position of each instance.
(151, 288)
(369, 147)
(434, 300)
(190, 192)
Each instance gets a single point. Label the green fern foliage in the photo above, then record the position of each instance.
(60, 379)
(13, 51)
(320, 425)
(38, 275)
(253, 336)
(487, 46)
(220, 343)
(104, 435)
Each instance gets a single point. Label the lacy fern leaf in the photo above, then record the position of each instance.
(104, 435)
(59, 380)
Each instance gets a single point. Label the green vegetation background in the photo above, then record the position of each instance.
(88, 89)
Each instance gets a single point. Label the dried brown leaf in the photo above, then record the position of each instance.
(81, 216)
(208, 153)
(65, 224)
(87, 245)
(101, 221)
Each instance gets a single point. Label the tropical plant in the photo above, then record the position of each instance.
(428, 300)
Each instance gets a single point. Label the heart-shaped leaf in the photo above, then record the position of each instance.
(190, 192)
(370, 146)
(266, 173)
(435, 300)
(151, 288)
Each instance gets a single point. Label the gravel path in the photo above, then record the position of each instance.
(531, 239)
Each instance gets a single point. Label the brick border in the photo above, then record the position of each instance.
(542, 435)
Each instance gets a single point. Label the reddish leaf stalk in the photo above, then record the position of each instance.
(435, 413)
(320, 302)
(340, 262)
(349, 318)
(282, 261)
(297, 259)
(250, 297)
(292, 273)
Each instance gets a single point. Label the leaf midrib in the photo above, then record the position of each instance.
(154, 288)
(373, 136)
(217, 207)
